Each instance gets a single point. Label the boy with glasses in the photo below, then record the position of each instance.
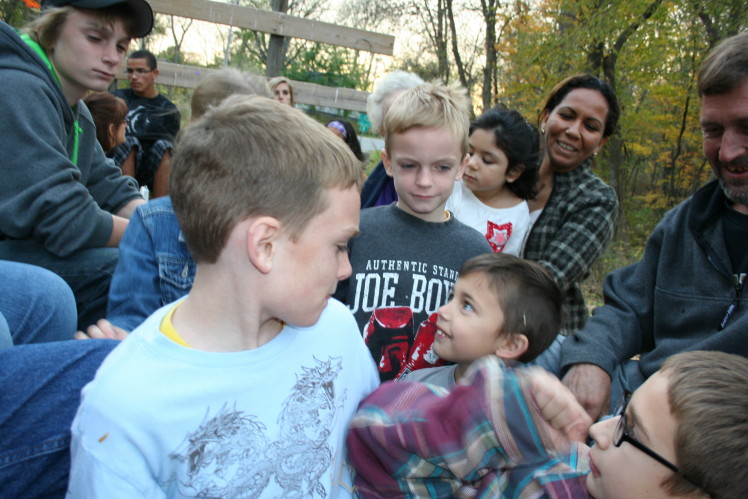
(153, 124)
(511, 433)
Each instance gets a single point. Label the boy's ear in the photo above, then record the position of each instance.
(461, 168)
(512, 346)
(387, 162)
(514, 173)
(263, 236)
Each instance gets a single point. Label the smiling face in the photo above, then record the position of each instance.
(310, 267)
(724, 124)
(87, 53)
(469, 325)
(574, 129)
(424, 164)
(625, 471)
(486, 174)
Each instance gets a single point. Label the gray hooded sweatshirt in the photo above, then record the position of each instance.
(44, 195)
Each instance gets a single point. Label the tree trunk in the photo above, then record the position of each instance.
(489, 16)
(462, 73)
(277, 47)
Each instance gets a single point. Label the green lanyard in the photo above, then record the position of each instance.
(77, 130)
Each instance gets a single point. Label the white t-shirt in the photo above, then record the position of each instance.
(503, 228)
(163, 420)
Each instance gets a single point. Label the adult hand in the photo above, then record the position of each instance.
(590, 384)
(559, 407)
(103, 329)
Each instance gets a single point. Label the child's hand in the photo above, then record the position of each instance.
(103, 329)
(559, 407)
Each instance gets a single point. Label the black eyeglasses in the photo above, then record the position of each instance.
(621, 435)
(138, 71)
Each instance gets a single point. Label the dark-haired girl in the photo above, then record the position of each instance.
(499, 179)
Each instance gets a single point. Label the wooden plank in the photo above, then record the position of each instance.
(179, 75)
(276, 23)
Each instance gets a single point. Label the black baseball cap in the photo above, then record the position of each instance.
(141, 11)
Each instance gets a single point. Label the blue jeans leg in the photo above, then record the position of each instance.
(87, 272)
(38, 305)
(5, 340)
(39, 395)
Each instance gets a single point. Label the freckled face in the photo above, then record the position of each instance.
(574, 129)
(87, 53)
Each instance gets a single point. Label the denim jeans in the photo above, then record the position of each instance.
(87, 272)
(5, 340)
(154, 265)
(36, 304)
(39, 395)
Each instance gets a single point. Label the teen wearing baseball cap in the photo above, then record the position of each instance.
(63, 204)
(141, 18)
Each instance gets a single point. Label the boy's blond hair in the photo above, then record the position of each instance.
(253, 156)
(218, 85)
(430, 105)
(46, 29)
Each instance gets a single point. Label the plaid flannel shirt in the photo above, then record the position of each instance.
(484, 438)
(576, 225)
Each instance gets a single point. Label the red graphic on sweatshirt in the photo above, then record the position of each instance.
(498, 235)
(395, 345)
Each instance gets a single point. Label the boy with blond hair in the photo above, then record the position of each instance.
(244, 387)
(407, 258)
(501, 305)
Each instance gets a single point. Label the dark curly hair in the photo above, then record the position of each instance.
(519, 140)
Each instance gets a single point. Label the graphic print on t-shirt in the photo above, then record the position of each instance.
(395, 303)
(395, 345)
(138, 120)
(498, 235)
(231, 453)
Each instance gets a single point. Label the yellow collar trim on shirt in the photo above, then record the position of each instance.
(167, 328)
